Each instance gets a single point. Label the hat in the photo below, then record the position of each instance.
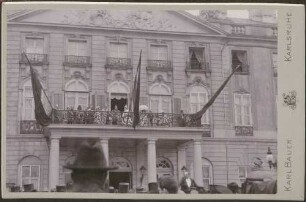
(168, 183)
(90, 157)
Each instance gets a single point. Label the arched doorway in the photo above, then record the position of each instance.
(122, 174)
(118, 94)
(164, 167)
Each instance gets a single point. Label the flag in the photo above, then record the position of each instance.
(198, 115)
(43, 107)
(136, 94)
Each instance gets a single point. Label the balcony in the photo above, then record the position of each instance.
(238, 30)
(160, 65)
(30, 127)
(34, 58)
(244, 130)
(198, 67)
(74, 60)
(125, 119)
(118, 63)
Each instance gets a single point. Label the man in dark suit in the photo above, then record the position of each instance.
(187, 184)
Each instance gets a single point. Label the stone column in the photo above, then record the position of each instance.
(54, 163)
(197, 162)
(181, 161)
(104, 145)
(152, 161)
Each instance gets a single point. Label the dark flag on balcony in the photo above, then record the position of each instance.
(136, 94)
(198, 115)
(43, 107)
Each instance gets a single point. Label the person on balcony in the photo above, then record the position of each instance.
(90, 115)
(98, 117)
(70, 115)
(116, 115)
(79, 115)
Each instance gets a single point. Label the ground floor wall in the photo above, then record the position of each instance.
(223, 160)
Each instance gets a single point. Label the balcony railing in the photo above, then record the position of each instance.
(120, 63)
(238, 29)
(35, 58)
(124, 119)
(159, 64)
(244, 130)
(77, 60)
(198, 66)
(30, 127)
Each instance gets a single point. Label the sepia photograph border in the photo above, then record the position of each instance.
(291, 77)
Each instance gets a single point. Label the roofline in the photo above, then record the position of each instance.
(202, 22)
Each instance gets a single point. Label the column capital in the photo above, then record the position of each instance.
(104, 139)
(52, 139)
(152, 140)
(197, 141)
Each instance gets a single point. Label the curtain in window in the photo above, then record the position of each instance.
(159, 52)
(198, 53)
(34, 45)
(241, 55)
(77, 48)
(242, 110)
(118, 50)
(74, 99)
(159, 104)
(197, 101)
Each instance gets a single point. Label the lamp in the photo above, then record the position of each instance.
(142, 171)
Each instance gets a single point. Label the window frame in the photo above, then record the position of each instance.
(78, 40)
(207, 163)
(244, 69)
(242, 115)
(158, 47)
(206, 116)
(118, 42)
(30, 177)
(34, 38)
(77, 93)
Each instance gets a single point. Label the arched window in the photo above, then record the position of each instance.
(207, 170)
(76, 94)
(160, 98)
(164, 167)
(29, 171)
(198, 97)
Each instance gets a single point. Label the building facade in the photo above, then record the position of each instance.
(89, 58)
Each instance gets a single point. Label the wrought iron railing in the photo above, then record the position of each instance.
(30, 127)
(77, 60)
(112, 62)
(124, 118)
(244, 130)
(159, 64)
(34, 58)
(201, 65)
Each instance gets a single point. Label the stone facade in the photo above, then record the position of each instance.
(223, 149)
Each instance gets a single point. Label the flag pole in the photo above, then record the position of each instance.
(31, 69)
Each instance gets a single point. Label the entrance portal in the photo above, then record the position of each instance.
(117, 177)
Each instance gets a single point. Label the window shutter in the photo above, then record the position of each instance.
(177, 105)
(100, 101)
(58, 100)
(143, 101)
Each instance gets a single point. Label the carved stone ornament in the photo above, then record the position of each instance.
(124, 19)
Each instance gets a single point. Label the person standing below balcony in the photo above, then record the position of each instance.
(187, 184)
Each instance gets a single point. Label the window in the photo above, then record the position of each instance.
(34, 45)
(198, 98)
(240, 58)
(118, 50)
(196, 58)
(160, 99)
(77, 47)
(28, 103)
(164, 167)
(243, 115)
(76, 94)
(274, 63)
(242, 173)
(159, 52)
(207, 172)
(30, 171)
